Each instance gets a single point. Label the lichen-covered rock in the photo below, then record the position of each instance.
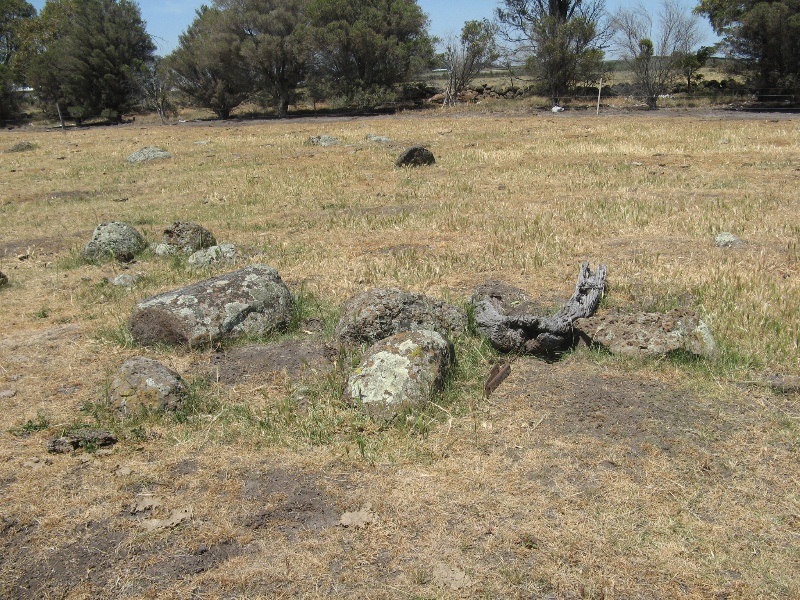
(250, 301)
(215, 255)
(378, 313)
(126, 280)
(416, 156)
(324, 140)
(648, 334)
(114, 240)
(88, 439)
(380, 139)
(147, 154)
(187, 237)
(400, 372)
(727, 240)
(144, 383)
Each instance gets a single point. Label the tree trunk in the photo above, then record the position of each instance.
(533, 334)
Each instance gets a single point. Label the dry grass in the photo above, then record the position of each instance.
(536, 493)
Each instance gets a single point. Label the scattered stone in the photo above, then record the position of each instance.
(122, 471)
(144, 383)
(113, 240)
(7, 394)
(727, 240)
(126, 280)
(145, 503)
(324, 140)
(87, 439)
(400, 372)
(511, 328)
(147, 154)
(450, 578)
(3, 279)
(416, 156)
(187, 237)
(224, 254)
(176, 517)
(785, 384)
(381, 139)
(648, 334)
(557, 109)
(378, 313)
(22, 147)
(251, 301)
(292, 357)
(358, 519)
(36, 463)
(161, 249)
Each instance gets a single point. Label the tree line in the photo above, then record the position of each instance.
(88, 58)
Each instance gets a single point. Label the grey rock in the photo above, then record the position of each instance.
(88, 439)
(416, 156)
(22, 147)
(147, 154)
(727, 240)
(126, 280)
(162, 249)
(785, 384)
(144, 383)
(3, 279)
(400, 372)
(380, 139)
(114, 240)
(250, 301)
(378, 313)
(648, 334)
(224, 254)
(324, 140)
(7, 393)
(187, 237)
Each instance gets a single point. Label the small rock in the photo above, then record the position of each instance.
(81, 438)
(381, 139)
(143, 383)
(187, 237)
(416, 156)
(400, 372)
(727, 240)
(7, 394)
(161, 249)
(785, 384)
(22, 147)
(126, 280)
(358, 519)
(112, 240)
(378, 313)
(324, 140)
(148, 154)
(557, 109)
(3, 279)
(224, 254)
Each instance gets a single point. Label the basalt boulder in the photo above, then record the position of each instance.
(144, 383)
(114, 240)
(250, 301)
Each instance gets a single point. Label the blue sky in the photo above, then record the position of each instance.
(167, 19)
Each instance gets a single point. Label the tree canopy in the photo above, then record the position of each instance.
(84, 55)
(764, 36)
(13, 16)
(563, 38)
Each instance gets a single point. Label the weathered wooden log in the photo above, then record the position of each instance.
(534, 334)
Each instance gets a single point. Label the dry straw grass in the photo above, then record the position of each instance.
(536, 493)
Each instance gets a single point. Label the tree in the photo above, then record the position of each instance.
(85, 56)
(563, 38)
(465, 56)
(154, 85)
(654, 51)
(208, 66)
(764, 36)
(13, 14)
(272, 45)
(692, 62)
(359, 47)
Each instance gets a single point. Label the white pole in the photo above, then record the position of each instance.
(599, 90)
